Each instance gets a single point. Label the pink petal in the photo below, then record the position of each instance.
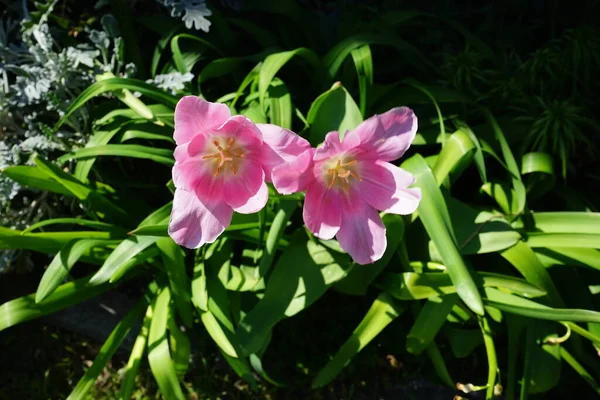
(190, 149)
(244, 132)
(240, 190)
(331, 147)
(295, 175)
(194, 223)
(385, 187)
(362, 233)
(280, 145)
(386, 136)
(256, 202)
(194, 115)
(322, 211)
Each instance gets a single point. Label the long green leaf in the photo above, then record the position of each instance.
(275, 62)
(113, 84)
(434, 215)
(159, 356)
(383, 311)
(428, 323)
(61, 265)
(520, 306)
(363, 62)
(173, 260)
(135, 358)
(303, 273)
(162, 156)
(107, 350)
(34, 177)
(25, 308)
(334, 110)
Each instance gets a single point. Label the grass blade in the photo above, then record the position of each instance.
(107, 350)
(173, 261)
(434, 215)
(159, 356)
(383, 311)
(162, 156)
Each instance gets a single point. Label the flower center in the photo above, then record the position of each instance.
(341, 173)
(225, 156)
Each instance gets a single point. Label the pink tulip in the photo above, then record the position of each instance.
(348, 181)
(221, 165)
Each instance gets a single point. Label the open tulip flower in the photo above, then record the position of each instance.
(221, 165)
(347, 181)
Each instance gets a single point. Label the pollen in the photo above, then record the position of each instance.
(227, 156)
(342, 174)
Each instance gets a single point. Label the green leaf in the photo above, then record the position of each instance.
(429, 322)
(542, 363)
(511, 163)
(107, 350)
(180, 62)
(463, 341)
(520, 306)
(568, 256)
(303, 273)
(162, 156)
(135, 358)
(564, 222)
(479, 232)
(214, 329)
(83, 192)
(578, 240)
(363, 62)
(417, 286)
(174, 263)
(455, 155)
(159, 355)
(383, 311)
(275, 62)
(334, 110)
(61, 265)
(420, 87)
(337, 55)
(114, 84)
(75, 221)
(124, 252)
(434, 215)
(579, 369)
(280, 104)
(181, 347)
(541, 177)
(34, 177)
(25, 308)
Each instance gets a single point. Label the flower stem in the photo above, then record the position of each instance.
(286, 209)
(490, 350)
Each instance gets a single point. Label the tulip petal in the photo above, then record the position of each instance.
(194, 115)
(385, 136)
(240, 189)
(244, 132)
(331, 147)
(280, 145)
(194, 223)
(362, 233)
(385, 187)
(295, 175)
(256, 202)
(322, 212)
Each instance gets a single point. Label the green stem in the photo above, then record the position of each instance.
(286, 209)
(488, 340)
(434, 354)
(579, 369)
